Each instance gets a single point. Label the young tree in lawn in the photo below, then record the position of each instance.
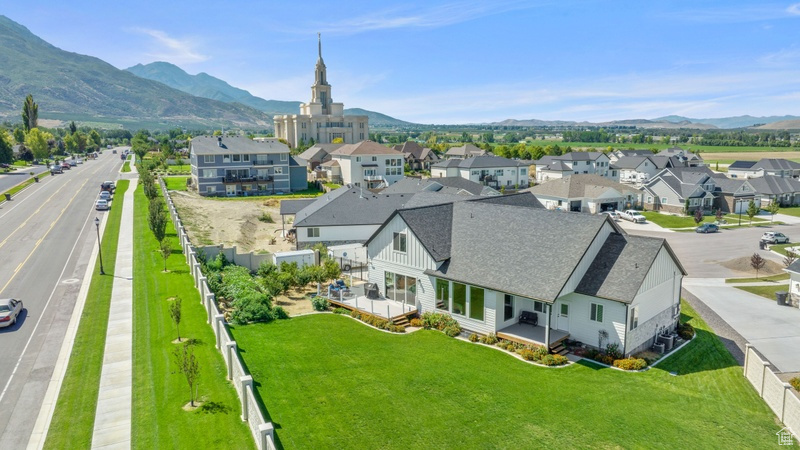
(166, 250)
(318, 276)
(698, 215)
(175, 313)
(157, 218)
(332, 269)
(757, 262)
(188, 367)
(789, 258)
(752, 210)
(719, 215)
(773, 209)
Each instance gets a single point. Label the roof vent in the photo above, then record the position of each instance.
(219, 141)
(636, 265)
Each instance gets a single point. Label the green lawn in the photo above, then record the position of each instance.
(791, 211)
(127, 166)
(765, 291)
(183, 168)
(781, 248)
(330, 382)
(73, 419)
(21, 163)
(176, 183)
(670, 221)
(773, 278)
(159, 394)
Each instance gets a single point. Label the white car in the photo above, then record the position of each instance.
(105, 195)
(613, 214)
(101, 205)
(633, 215)
(10, 309)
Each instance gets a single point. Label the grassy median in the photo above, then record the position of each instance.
(73, 420)
(14, 190)
(159, 394)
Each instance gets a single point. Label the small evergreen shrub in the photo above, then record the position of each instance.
(417, 323)
(473, 337)
(795, 382)
(280, 313)
(320, 303)
(341, 311)
(490, 339)
(685, 331)
(630, 363)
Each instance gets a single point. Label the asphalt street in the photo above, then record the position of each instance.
(11, 179)
(47, 233)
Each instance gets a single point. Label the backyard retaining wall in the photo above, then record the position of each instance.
(777, 394)
(261, 429)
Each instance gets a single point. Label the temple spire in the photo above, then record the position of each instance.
(319, 45)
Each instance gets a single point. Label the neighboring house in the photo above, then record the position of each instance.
(290, 208)
(449, 185)
(586, 193)
(351, 214)
(775, 167)
(574, 163)
(672, 187)
(316, 155)
(368, 164)
(416, 156)
(794, 283)
(586, 278)
(321, 120)
(635, 169)
(733, 196)
(241, 166)
(615, 155)
(492, 171)
(686, 158)
(464, 152)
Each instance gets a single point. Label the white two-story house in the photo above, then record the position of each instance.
(574, 163)
(587, 278)
(365, 164)
(492, 171)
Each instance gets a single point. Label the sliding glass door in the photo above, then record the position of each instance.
(401, 288)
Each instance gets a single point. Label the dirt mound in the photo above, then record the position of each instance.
(743, 265)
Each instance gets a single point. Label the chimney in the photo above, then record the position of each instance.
(219, 141)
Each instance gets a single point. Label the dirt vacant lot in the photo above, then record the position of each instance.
(232, 222)
(749, 156)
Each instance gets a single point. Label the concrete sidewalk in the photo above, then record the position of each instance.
(112, 424)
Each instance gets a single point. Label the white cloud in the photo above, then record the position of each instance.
(432, 17)
(166, 48)
(787, 57)
(794, 9)
(736, 14)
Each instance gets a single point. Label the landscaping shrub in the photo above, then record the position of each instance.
(341, 311)
(397, 328)
(685, 331)
(355, 314)
(441, 322)
(249, 302)
(527, 354)
(473, 337)
(490, 339)
(540, 352)
(554, 360)
(417, 323)
(452, 331)
(630, 363)
(605, 359)
(320, 303)
(280, 313)
(795, 382)
(612, 350)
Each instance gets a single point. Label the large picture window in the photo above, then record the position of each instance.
(399, 242)
(476, 303)
(442, 294)
(459, 299)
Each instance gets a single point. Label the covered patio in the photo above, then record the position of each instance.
(528, 334)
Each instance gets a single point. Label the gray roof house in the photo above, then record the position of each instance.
(669, 190)
(586, 193)
(685, 157)
(242, 166)
(590, 276)
(317, 154)
(553, 167)
(491, 171)
(764, 167)
(465, 151)
(450, 185)
(416, 156)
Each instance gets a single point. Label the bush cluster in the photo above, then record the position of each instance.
(554, 360)
(489, 339)
(685, 331)
(341, 311)
(473, 337)
(538, 353)
(441, 322)
(320, 303)
(795, 382)
(377, 322)
(630, 363)
(415, 322)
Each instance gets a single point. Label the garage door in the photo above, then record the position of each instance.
(742, 205)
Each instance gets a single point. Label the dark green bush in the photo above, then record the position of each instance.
(685, 331)
(341, 311)
(280, 313)
(612, 350)
(320, 303)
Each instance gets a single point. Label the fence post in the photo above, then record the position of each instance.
(231, 349)
(264, 430)
(196, 273)
(786, 388)
(218, 320)
(210, 304)
(247, 381)
(203, 286)
(763, 378)
(746, 357)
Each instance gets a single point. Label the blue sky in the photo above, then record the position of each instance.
(461, 61)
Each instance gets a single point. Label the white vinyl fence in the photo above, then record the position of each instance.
(777, 394)
(262, 431)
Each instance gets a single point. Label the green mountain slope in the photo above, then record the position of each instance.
(376, 118)
(66, 84)
(204, 85)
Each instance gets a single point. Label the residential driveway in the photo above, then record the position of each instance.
(773, 330)
(632, 227)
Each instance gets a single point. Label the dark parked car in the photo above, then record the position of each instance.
(56, 169)
(4, 166)
(707, 228)
(65, 165)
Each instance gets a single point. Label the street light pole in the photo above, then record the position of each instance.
(99, 246)
(740, 211)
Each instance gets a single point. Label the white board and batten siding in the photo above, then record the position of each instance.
(350, 233)
(583, 328)
(588, 258)
(661, 288)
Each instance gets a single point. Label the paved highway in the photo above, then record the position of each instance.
(47, 234)
(11, 179)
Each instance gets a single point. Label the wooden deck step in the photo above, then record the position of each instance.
(559, 349)
(403, 321)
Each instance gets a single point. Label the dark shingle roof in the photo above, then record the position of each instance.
(210, 145)
(412, 185)
(630, 162)
(581, 185)
(620, 267)
(431, 225)
(446, 163)
(353, 207)
(293, 206)
(772, 185)
(465, 150)
(365, 148)
(776, 164)
(318, 150)
(741, 165)
(636, 152)
(482, 162)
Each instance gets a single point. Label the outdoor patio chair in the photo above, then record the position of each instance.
(340, 284)
(529, 317)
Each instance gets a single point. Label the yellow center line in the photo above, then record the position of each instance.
(42, 239)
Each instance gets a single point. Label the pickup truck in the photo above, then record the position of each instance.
(633, 216)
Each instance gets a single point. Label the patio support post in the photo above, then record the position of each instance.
(388, 315)
(547, 327)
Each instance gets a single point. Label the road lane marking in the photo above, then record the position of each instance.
(49, 299)
(18, 267)
(44, 236)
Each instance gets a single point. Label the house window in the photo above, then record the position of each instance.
(226, 158)
(374, 159)
(476, 303)
(634, 318)
(246, 158)
(358, 159)
(208, 159)
(459, 299)
(209, 173)
(664, 200)
(284, 157)
(498, 172)
(313, 232)
(399, 242)
(442, 294)
(236, 158)
(522, 171)
(508, 307)
(279, 171)
(597, 313)
(538, 307)
(649, 199)
(475, 172)
(211, 189)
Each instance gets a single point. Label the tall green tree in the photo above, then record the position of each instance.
(70, 143)
(37, 141)
(752, 210)
(30, 113)
(773, 208)
(72, 127)
(6, 147)
(19, 135)
(95, 139)
(157, 218)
